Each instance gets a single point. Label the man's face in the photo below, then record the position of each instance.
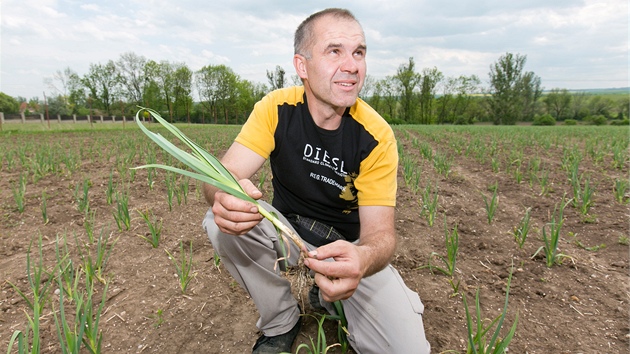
(335, 71)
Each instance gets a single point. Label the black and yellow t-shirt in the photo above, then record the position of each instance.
(323, 174)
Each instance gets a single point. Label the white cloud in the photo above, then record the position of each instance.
(573, 44)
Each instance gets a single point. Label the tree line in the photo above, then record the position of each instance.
(216, 94)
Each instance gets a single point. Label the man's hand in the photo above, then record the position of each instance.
(339, 279)
(233, 215)
(352, 262)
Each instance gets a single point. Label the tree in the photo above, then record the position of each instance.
(600, 105)
(248, 94)
(227, 93)
(431, 77)
(531, 91)
(182, 83)
(558, 103)
(579, 109)
(162, 75)
(466, 90)
(66, 90)
(277, 79)
(368, 87)
(296, 80)
(101, 83)
(8, 104)
(407, 79)
(513, 93)
(457, 95)
(218, 91)
(58, 105)
(206, 81)
(132, 76)
(387, 92)
(445, 104)
(624, 106)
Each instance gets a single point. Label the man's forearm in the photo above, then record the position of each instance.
(378, 252)
(378, 237)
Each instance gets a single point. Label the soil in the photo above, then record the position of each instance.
(578, 306)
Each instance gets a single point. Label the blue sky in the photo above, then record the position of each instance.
(574, 44)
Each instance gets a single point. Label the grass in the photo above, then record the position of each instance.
(429, 205)
(81, 196)
(442, 164)
(491, 207)
(70, 335)
(620, 190)
(582, 197)
(121, 214)
(451, 241)
(19, 193)
(155, 228)
(109, 192)
(552, 240)
(320, 345)
(44, 208)
(522, 230)
(183, 266)
(479, 340)
(39, 280)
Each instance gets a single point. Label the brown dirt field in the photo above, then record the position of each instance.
(579, 306)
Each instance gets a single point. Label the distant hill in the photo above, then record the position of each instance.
(604, 91)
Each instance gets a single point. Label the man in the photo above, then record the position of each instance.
(334, 163)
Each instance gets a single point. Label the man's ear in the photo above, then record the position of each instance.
(299, 62)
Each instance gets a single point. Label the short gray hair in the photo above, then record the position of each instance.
(304, 33)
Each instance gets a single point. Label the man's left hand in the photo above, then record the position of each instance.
(339, 279)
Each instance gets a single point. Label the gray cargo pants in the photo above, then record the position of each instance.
(384, 316)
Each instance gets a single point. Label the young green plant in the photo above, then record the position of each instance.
(44, 208)
(19, 193)
(491, 207)
(429, 203)
(451, 240)
(550, 248)
(155, 228)
(183, 266)
(621, 189)
(206, 168)
(521, 231)
(477, 333)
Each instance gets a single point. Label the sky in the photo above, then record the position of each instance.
(572, 44)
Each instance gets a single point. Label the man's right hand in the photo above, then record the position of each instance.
(233, 215)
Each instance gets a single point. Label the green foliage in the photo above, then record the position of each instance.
(624, 121)
(513, 90)
(491, 207)
(155, 228)
(319, 346)
(8, 104)
(621, 190)
(451, 241)
(522, 230)
(183, 267)
(545, 119)
(478, 333)
(570, 122)
(121, 214)
(19, 193)
(597, 120)
(429, 205)
(552, 240)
